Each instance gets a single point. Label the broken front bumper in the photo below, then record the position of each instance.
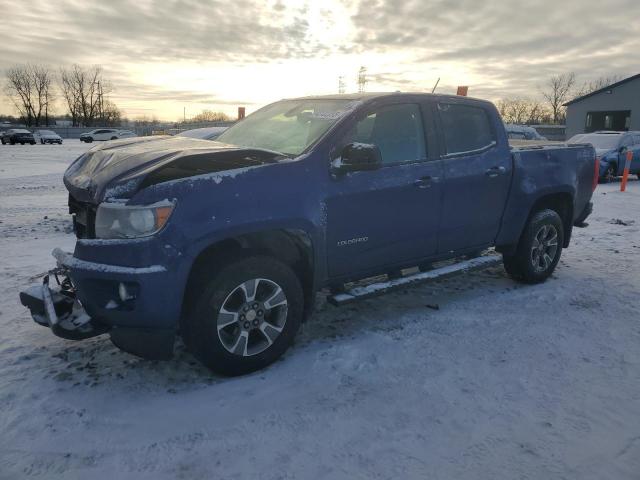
(80, 299)
(58, 308)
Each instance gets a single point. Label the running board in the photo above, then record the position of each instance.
(375, 289)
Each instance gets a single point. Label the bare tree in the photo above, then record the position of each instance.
(593, 85)
(210, 116)
(110, 115)
(85, 92)
(30, 89)
(523, 111)
(556, 92)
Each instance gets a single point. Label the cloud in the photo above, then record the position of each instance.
(513, 46)
(499, 48)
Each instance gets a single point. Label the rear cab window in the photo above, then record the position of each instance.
(465, 128)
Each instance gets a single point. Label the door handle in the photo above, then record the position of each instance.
(495, 171)
(425, 182)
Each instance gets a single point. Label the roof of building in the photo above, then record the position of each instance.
(603, 89)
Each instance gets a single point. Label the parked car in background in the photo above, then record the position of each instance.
(226, 243)
(47, 136)
(206, 133)
(522, 132)
(101, 134)
(18, 135)
(611, 151)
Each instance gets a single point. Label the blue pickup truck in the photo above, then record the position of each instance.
(226, 242)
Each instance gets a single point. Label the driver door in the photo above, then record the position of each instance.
(388, 216)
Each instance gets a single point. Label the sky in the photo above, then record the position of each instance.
(165, 57)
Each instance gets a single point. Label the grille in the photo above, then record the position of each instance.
(84, 218)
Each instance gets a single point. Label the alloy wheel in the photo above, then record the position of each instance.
(544, 248)
(252, 317)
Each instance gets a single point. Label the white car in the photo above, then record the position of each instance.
(105, 134)
(126, 134)
(47, 136)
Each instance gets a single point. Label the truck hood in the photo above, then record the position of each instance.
(121, 167)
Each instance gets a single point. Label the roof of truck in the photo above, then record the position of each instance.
(372, 95)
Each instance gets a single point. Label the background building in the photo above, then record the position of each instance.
(615, 107)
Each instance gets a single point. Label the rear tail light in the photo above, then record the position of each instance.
(596, 174)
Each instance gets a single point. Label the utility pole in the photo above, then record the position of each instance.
(362, 80)
(341, 86)
(184, 114)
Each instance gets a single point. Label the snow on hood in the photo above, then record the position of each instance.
(120, 167)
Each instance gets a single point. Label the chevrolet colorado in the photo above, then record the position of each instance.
(226, 242)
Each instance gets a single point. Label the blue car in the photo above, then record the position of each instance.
(226, 242)
(611, 150)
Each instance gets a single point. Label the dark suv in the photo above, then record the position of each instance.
(18, 135)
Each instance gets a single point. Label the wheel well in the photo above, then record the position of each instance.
(291, 246)
(562, 204)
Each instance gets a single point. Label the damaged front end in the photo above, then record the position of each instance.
(57, 307)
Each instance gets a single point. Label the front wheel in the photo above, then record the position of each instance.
(539, 249)
(245, 316)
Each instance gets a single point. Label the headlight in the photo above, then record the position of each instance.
(114, 220)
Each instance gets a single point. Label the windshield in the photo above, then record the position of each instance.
(599, 141)
(288, 126)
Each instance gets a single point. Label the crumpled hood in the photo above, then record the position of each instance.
(119, 168)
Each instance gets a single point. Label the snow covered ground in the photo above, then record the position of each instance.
(503, 381)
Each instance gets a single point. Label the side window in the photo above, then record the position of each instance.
(466, 128)
(396, 130)
(627, 141)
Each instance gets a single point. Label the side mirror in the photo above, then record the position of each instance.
(357, 157)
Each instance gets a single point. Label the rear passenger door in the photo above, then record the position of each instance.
(477, 174)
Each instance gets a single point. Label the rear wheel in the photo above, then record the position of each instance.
(114, 138)
(539, 249)
(245, 316)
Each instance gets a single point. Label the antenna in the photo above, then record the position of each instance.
(436, 85)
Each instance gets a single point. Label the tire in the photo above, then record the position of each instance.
(539, 249)
(32, 143)
(236, 343)
(21, 143)
(609, 174)
(3, 142)
(89, 140)
(114, 138)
